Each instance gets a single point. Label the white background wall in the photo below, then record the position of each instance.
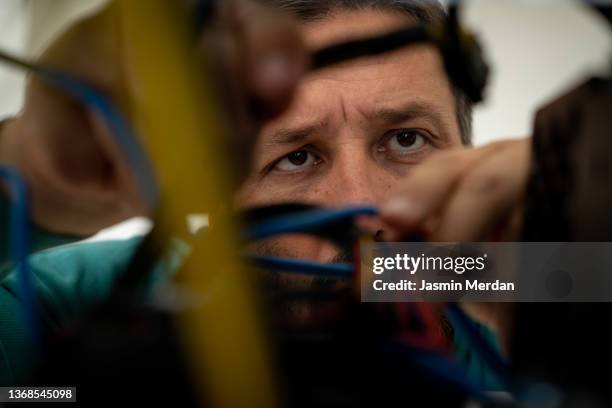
(536, 48)
(26, 27)
(12, 38)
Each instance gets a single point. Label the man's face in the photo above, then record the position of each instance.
(353, 130)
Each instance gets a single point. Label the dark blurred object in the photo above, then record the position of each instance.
(605, 8)
(463, 56)
(201, 11)
(355, 364)
(121, 354)
(131, 354)
(569, 198)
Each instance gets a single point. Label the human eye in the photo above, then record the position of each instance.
(296, 161)
(403, 141)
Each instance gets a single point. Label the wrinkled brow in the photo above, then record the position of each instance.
(287, 136)
(388, 115)
(413, 110)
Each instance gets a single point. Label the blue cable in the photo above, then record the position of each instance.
(20, 247)
(300, 266)
(119, 128)
(127, 142)
(305, 221)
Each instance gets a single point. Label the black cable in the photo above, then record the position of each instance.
(370, 46)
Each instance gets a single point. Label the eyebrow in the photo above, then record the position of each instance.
(391, 116)
(411, 111)
(294, 135)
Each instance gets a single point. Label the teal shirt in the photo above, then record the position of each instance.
(68, 280)
(40, 239)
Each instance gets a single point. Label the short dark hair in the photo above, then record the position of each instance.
(423, 11)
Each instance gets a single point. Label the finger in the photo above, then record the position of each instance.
(267, 53)
(426, 189)
(486, 195)
(259, 59)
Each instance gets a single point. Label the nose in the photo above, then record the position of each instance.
(355, 179)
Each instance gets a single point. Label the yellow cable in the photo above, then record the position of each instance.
(177, 118)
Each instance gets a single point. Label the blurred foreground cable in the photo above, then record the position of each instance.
(178, 119)
(371, 46)
(20, 248)
(119, 128)
(306, 221)
(300, 266)
(123, 136)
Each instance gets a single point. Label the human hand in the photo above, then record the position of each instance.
(462, 195)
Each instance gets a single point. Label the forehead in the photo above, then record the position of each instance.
(411, 74)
